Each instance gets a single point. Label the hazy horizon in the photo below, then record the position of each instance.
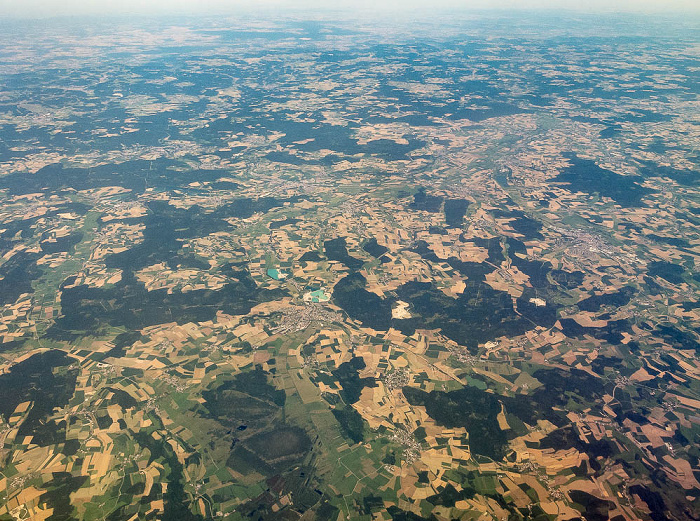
(52, 8)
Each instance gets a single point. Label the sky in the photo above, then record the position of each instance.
(48, 8)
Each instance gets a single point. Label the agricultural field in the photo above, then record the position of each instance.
(321, 269)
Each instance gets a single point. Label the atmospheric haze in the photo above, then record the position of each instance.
(49, 8)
